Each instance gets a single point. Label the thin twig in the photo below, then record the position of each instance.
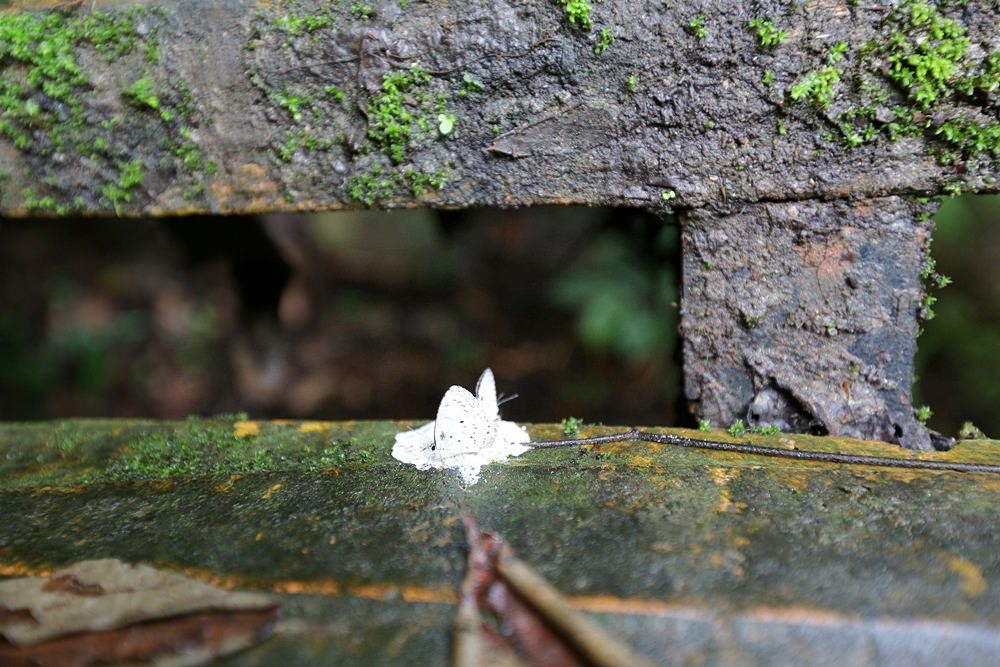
(759, 450)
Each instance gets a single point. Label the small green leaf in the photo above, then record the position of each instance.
(446, 123)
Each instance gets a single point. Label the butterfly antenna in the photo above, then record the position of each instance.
(506, 399)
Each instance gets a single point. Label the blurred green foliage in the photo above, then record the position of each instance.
(623, 295)
(81, 360)
(579, 306)
(958, 359)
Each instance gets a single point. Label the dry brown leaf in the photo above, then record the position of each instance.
(534, 624)
(109, 612)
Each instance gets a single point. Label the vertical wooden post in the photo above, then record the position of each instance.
(804, 315)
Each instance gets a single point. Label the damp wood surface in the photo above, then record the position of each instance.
(152, 108)
(690, 556)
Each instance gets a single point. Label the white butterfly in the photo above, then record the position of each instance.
(467, 434)
(467, 423)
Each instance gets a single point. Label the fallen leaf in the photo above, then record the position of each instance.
(533, 625)
(106, 612)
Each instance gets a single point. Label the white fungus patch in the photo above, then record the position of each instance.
(467, 434)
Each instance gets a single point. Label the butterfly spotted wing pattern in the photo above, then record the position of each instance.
(464, 424)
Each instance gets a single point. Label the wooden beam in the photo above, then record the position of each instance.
(689, 556)
(140, 108)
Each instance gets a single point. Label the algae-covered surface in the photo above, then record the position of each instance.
(138, 107)
(694, 557)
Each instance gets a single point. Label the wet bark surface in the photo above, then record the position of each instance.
(689, 556)
(232, 107)
(810, 310)
(290, 113)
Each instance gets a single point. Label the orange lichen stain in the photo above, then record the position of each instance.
(246, 429)
(315, 427)
(739, 540)
(273, 490)
(69, 490)
(322, 587)
(798, 615)
(250, 188)
(22, 570)
(631, 449)
(794, 478)
(972, 582)
(227, 486)
(40, 469)
(987, 483)
(608, 604)
(895, 474)
(437, 595)
(374, 591)
(722, 477)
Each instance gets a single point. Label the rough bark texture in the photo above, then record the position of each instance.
(810, 310)
(232, 107)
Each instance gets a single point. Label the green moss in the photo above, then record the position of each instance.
(213, 448)
(919, 79)
(923, 413)
(768, 35)
(605, 38)
(362, 10)
(470, 85)
(818, 87)
(577, 12)
(334, 92)
(47, 110)
(925, 52)
(121, 191)
(391, 117)
(571, 426)
(399, 114)
(93, 452)
(143, 93)
(696, 28)
(632, 84)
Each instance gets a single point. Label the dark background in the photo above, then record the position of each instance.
(373, 315)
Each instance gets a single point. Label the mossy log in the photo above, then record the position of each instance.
(691, 556)
(795, 141)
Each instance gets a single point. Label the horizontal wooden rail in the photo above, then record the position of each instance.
(158, 108)
(688, 555)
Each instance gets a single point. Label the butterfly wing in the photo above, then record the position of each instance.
(462, 425)
(486, 392)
